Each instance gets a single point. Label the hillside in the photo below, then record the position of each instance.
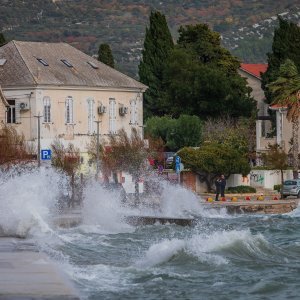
(87, 23)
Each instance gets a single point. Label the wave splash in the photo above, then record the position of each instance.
(27, 201)
(214, 248)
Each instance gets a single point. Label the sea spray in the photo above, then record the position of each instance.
(103, 210)
(27, 200)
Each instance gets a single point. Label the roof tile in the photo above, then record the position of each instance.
(22, 67)
(254, 69)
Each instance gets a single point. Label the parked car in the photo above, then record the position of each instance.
(291, 188)
(169, 162)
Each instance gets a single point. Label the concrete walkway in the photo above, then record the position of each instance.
(27, 274)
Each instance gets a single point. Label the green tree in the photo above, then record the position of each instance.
(201, 77)
(2, 39)
(285, 90)
(105, 55)
(286, 45)
(205, 45)
(157, 46)
(176, 133)
(276, 159)
(212, 159)
(239, 134)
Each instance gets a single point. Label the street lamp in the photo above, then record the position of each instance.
(97, 150)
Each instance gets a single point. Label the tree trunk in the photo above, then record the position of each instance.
(295, 147)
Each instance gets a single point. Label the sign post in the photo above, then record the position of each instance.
(177, 166)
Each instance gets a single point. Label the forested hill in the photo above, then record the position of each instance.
(87, 23)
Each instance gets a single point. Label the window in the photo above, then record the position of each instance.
(43, 62)
(90, 116)
(11, 112)
(112, 115)
(93, 65)
(133, 112)
(67, 63)
(47, 109)
(69, 110)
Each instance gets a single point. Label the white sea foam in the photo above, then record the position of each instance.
(207, 248)
(100, 277)
(294, 213)
(26, 201)
(103, 212)
(161, 252)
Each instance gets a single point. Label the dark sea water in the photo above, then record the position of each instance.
(221, 257)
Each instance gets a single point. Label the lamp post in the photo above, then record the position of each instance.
(97, 150)
(39, 138)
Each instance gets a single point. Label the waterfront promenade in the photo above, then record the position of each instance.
(26, 274)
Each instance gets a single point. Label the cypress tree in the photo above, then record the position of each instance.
(105, 55)
(286, 45)
(157, 45)
(201, 77)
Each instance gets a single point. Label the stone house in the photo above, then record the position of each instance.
(69, 90)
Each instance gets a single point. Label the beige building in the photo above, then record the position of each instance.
(283, 133)
(3, 106)
(252, 72)
(69, 90)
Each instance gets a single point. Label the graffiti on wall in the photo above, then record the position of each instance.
(257, 178)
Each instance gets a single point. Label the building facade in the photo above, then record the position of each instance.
(69, 92)
(283, 128)
(264, 136)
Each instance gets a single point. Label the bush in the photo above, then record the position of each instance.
(277, 187)
(241, 189)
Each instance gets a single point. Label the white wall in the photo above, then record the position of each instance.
(238, 179)
(268, 178)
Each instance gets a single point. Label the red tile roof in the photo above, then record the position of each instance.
(278, 106)
(254, 69)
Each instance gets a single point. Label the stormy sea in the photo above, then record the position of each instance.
(220, 256)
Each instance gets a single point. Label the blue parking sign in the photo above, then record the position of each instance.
(46, 154)
(177, 164)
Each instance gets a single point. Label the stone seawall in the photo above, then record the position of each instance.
(257, 207)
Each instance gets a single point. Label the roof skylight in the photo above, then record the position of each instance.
(43, 62)
(93, 65)
(67, 63)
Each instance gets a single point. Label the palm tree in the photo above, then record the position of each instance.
(286, 92)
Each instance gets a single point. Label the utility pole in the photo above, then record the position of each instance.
(98, 152)
(39, 139)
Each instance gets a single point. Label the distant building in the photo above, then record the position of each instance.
(283, 130)
(69, 89)
(252, 72)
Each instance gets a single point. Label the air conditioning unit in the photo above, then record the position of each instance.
(123, 110)
(101, 109)
(24, 106)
